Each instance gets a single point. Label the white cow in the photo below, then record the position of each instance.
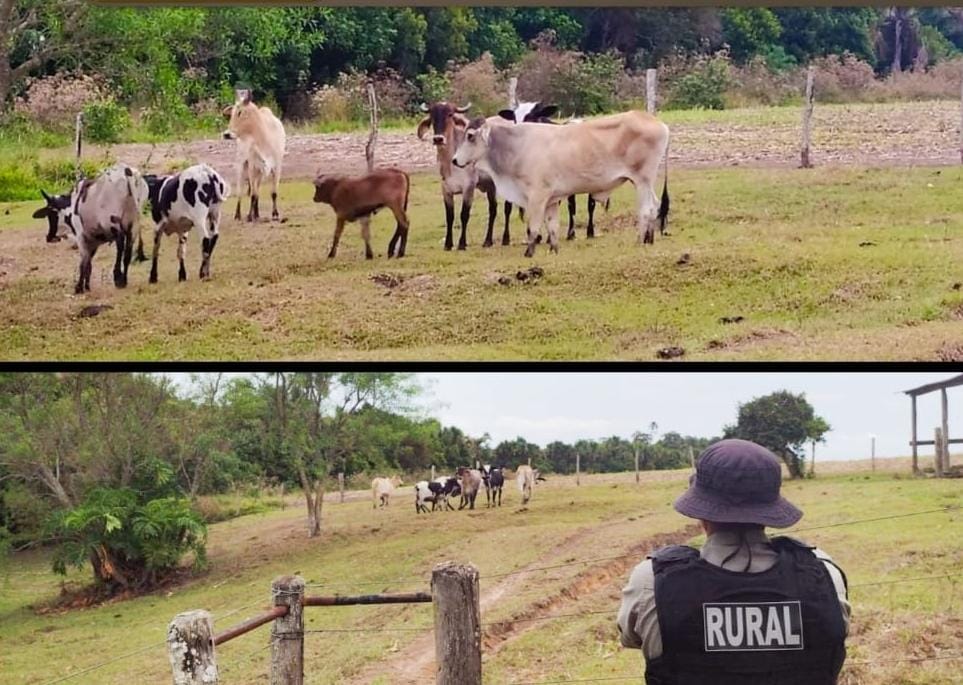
(381, 489)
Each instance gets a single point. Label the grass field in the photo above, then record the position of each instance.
(362, 550)
(832, 263)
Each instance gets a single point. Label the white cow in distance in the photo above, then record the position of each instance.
(381, 489)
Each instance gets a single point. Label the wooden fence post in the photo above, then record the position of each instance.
(650, 79)
(636, 464)
(78, 135)
(512, 88)
(938, 446)
(916, 468)
(287, 634)
(578, 467)
(961, 120)
(369, 149)
(432, 472)
(455, 596)
(691, 457)
(190, 645)
(341, 485)
(805, 161)
(282, 495)
(945, 423)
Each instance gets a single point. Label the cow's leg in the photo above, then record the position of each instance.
(153, 264)
(275, 182)
(401, 233)
(242, 176)
(536, 214)
(119, 239)
(571, 218)
(492, 213)
(254, 179)
(647, 208)
(81, 265)
(339, 227)
(466, 200)
(181, 255)
(88, 263)
(141, 257)
(551, 214)
(210, 240)
(128, 251)
(506, 239)
(365, 222)
(449, 218)
(590, 231)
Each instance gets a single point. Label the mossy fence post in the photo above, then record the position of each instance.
(190, 645)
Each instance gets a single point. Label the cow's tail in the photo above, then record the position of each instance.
(664, 204)
(407, 191)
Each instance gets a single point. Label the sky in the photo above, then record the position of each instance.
(547, 406)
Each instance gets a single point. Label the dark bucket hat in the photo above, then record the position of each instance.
(737, 481)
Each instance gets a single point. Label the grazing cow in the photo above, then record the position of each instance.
(537, 112)
(381, 489)
(448, 123)
(97, 211)
(437, 492)
(536, 166)
(356, 199)
(494, 478)
(526, 477)
(260, 151)
(182, 201)
(471, 480)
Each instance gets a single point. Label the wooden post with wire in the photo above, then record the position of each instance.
(341, 485)
(455, 596)
(805, 161)
(578, 467)
(369, 148)
(190, 646)
(636, 464)
(512, 88)
(78, 137)
(651, 75)
(945, 423)
(287, 633)
(938, 446)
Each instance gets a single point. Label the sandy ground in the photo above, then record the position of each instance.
(865, 135)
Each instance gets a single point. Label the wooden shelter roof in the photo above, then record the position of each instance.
(930, 387)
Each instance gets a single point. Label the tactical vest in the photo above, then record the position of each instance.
(783, 626)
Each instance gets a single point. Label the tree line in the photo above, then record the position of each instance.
(108, 467)
(193, 54)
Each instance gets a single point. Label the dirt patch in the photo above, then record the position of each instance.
(419, 285)
(950, 352)
(755, 336)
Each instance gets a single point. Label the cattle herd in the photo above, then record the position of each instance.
(465, 485)
(520, 155)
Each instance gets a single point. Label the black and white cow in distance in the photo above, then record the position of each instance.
(105, 209)
(540, 113)
(437, 492)
(179, 202)
(494, 479)
(536, 166)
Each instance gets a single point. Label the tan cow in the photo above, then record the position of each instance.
(381, 489)
(536, 166)
(260, 151)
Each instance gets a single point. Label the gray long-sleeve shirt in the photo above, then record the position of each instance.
(638, 621)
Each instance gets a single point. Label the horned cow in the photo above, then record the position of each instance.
(182, 201)
(105, 209)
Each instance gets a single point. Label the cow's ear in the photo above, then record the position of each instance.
(460, 120)
(41, 213)
(423, 127)
(227, 111)
(507, 114)
(548, 110)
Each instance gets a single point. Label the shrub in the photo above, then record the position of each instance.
(105, 121)
(757, 84)
(131, 543)
(589, 84)
(54, 101)
(480, 83)
(703, 85)
(433, 86)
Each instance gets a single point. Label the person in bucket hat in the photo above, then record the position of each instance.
(745, 608)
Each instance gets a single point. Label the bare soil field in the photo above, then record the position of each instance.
(906, 133)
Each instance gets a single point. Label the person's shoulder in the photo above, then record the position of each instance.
(672, 554)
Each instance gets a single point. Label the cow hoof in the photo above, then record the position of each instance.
(152, 279)
(487, 243)
(448, 248)
(530, 251)
(331, 255)
(462, 248)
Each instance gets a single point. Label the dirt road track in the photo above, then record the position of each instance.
(911, 133)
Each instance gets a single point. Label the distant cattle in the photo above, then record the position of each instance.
(358, 198)
(381, 489)
(436, 492)
(447, 122)
(260, 151)
(536, 166)
(186, 200)
(105, 209)
(526, 477)
(494, 478)
(471, 481)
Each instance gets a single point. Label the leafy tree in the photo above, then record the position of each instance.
(513, 453)
(782, 422)
(749, 31)
(809, 32)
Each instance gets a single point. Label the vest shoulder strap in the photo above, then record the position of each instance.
(789, 543)
(671, 555)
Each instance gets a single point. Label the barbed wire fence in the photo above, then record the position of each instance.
(951, 576)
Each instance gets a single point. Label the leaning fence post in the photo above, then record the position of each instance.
(369, 149)
(650, 78)
(454, 594)
(190, 645)
(807, 117)
(287, 634)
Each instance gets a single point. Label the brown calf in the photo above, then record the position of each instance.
(357, 198)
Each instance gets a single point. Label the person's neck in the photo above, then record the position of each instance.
(711, 527)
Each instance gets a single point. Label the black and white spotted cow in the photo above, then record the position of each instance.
(182, 201)
(105, 209)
